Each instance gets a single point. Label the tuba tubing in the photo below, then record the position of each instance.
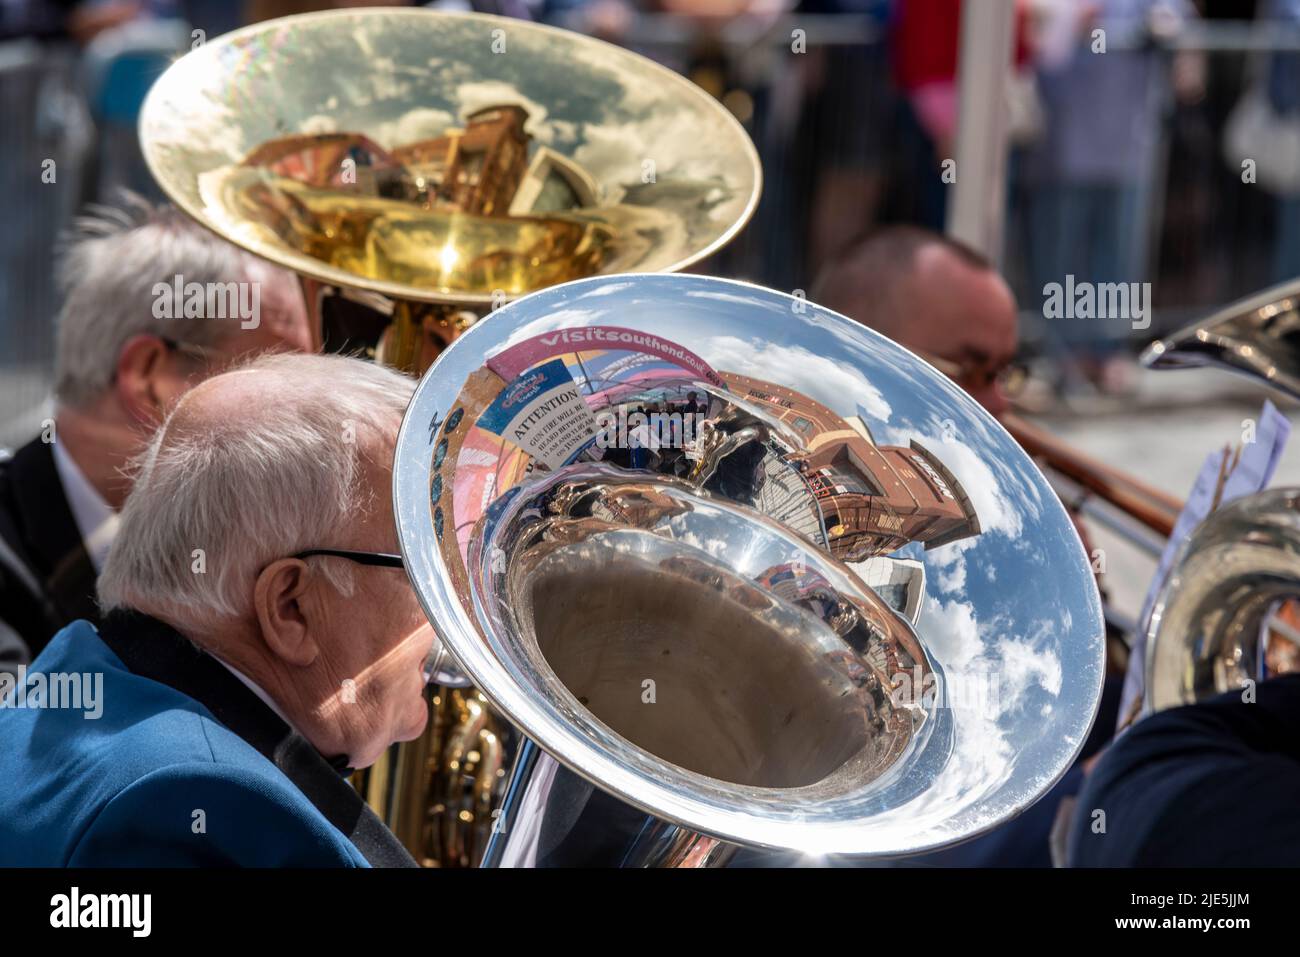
(1210, 620)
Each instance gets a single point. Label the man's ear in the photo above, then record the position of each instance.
(141, 366)
(282, 600)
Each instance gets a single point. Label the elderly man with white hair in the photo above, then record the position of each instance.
(152, 304)
(260, 638)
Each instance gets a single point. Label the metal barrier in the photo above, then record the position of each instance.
(47, 138)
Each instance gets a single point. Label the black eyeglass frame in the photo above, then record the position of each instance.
(380, 559)
(188, 349)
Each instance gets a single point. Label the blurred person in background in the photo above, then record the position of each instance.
(1278, 100)
(1105, 87)
(79, 20)
(120, 366)
(825, 171)
(924, 39)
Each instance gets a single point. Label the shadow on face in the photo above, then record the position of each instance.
(373, 641)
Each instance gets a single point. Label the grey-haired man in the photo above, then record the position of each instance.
(259, 638)
(152, 305)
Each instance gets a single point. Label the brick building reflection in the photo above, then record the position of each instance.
(874, 498)
(475, 170)
(484, 169)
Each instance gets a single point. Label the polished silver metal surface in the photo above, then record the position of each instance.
(608, 578)
(844, 615)
(1257, 337)
(1209, 628)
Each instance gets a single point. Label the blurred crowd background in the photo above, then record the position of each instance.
(1123, 167)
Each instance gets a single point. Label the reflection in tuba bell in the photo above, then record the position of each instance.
(1213, 627)
(418, 169)
(745, 574)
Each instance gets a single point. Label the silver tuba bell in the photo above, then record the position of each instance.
(744, 573)
(1221, 621)
(1258, 337)
(1212, 627)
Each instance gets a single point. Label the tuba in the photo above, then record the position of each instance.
(746, 576)
(418, 169)
(1258, 337)
(1225, 616)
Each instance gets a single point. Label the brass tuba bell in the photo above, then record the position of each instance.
(421, 168)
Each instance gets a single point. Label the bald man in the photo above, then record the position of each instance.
(937, 297)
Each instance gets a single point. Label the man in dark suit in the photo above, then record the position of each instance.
(1214, 784)
(125, 353)
(254, 645)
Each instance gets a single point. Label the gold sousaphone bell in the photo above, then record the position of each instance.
(428, 167)
(419, 169)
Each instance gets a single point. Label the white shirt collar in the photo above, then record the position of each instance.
(254, 687)
(95, 518)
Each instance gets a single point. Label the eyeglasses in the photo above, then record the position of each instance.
(200, 353)
(1010, 379)
(380, 559)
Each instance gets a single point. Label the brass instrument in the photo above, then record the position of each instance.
(1151, 507)
(1211, 626)
(419, 169)
(1258, 337)
(1226, 614)
(745, 574)
(431, 166)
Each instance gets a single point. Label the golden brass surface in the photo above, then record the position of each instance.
(450, 158)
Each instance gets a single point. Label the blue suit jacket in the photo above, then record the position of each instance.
(156, 780)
